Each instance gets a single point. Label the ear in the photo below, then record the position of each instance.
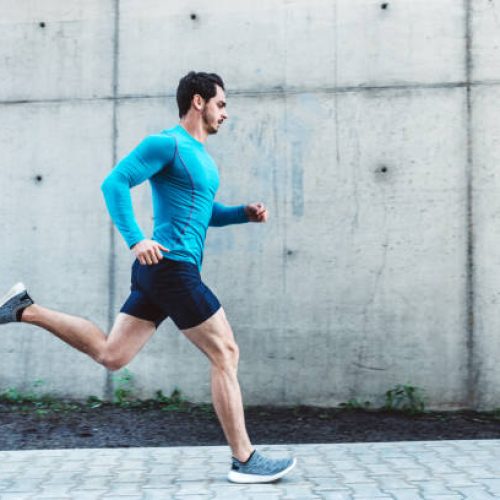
(198, 102)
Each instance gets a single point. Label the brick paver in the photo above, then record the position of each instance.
(428, 470)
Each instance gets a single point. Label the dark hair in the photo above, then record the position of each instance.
(193, 83)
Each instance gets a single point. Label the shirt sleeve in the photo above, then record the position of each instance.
(223, 215)
(146, 160)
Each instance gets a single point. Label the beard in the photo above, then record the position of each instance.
(210, 123)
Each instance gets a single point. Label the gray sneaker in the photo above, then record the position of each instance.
(14, 301)
(259, 469)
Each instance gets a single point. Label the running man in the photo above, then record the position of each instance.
(166, 273)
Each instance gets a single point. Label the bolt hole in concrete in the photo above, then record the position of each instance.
(42, 25)
(383, 169)
(193, 17)
(38, 178)
(384, 6)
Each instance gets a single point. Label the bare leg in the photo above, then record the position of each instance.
(127, 337)
(215, 338)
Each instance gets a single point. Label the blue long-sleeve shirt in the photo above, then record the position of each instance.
(184, 179)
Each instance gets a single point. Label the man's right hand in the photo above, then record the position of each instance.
(149, 252)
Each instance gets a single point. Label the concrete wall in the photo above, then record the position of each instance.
(370, 130)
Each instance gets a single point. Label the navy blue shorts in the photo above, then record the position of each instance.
(170, 288)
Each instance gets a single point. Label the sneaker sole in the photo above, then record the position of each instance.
(238, 477)
(15, 290)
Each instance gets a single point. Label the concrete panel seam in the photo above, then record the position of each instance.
(264, 92)
(472, 368)
(112, 240)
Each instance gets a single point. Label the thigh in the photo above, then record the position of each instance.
(193, 306)
(175, 289)
(213, 335)
(139, 303)
(128, 336)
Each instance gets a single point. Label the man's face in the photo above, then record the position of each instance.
(214, 112)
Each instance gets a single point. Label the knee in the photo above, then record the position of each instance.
(112, 361)
(227, 356)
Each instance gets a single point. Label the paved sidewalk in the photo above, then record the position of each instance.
(441, 470)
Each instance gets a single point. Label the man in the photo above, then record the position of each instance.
(166, 273)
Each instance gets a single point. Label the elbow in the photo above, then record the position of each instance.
(112, 182)
(106, 184)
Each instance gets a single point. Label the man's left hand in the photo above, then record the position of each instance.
(256, 212)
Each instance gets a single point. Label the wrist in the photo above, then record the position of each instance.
(131, 247)
(246, 212)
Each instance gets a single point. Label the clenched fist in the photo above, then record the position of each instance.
(256, 212)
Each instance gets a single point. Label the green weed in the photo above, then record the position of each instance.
(354, 404)
(124, 381)
(174, 402)
(94, 402)
(405, 398)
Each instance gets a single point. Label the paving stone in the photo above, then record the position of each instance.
(84, 495)
(440, 467)
(339, 466)
(367, 490)
(226, 496)
(96, 483)
(263, 496)
(479, 472)
(401, 463)
(296, 491)
(160, 469)
(329, 484)
(443, 497)
(15, 496)
(157, 481)
(52, 497)
(72, 466)
(355, 477)
(271, 489)
(55, 489)
(13, 466)
(393, 482)
(434, 487)
(96, 472)
(474, 492)
(333, 495)
(21, 485)
(195, 489)
(401, 471)
(158, 494)
(493, 485)
(114, 496)
(129, 476)
(237, 490)
(4, 484)
(457, 480)
(125, 489)
(375, 470)
(308, 496)
(421, 474)
(404, 494)
(317, 471)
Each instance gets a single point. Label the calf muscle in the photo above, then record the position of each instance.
(126, 339)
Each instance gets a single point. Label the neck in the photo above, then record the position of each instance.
(194, 127)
